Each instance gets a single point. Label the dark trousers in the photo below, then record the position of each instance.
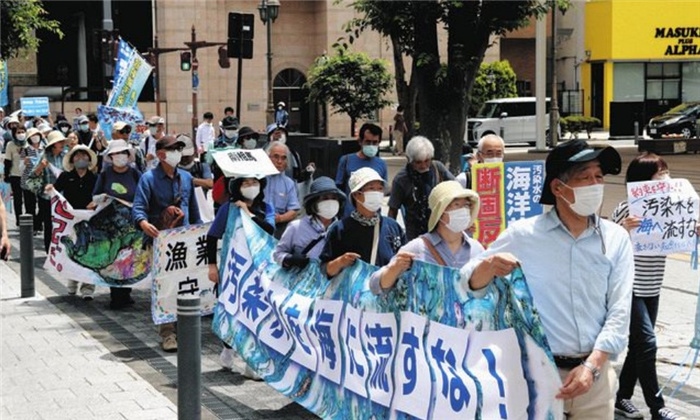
(22, 198)
(640, 363)
(45, 212)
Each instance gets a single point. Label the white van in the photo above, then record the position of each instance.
(511, 118)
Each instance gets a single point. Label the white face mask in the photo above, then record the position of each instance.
(230, 133)
(250, 143)
(64, 129)
(21, 137)
(153, 130)
(35, 139)
(373, 200)
(172, 157)
(493, 160)
(282, 139)
(188, 166)
(460, 219)
(250, 192)
(587, 200)
(120, 161)
(327, 209)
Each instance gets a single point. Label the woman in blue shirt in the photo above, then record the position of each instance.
(453, 210)
(304, 238)
(49, 166)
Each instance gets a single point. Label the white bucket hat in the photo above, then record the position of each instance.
(362, 177)
(117, 146)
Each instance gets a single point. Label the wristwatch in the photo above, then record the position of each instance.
(594, 370)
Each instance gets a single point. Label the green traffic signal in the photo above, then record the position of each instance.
(185, 61)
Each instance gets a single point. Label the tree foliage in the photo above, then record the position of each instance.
(494, 80)
(20, 20)
(441, 87)
(351, 83)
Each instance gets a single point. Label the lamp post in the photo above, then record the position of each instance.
(269, 10)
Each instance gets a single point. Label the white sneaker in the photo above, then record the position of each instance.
(87, 291)
(226, 358)
(72, 287)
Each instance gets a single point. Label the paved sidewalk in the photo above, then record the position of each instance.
(54, 369)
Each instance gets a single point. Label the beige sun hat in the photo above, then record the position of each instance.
(116, 146)
(189, 145)
(441, 197)
(54, 137)
(67, 159)
(362, 177)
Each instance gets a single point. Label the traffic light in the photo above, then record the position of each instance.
(240, 35)
(185, 61)
(224, 62)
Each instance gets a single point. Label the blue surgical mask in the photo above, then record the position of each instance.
(84, 127)
(370, 151)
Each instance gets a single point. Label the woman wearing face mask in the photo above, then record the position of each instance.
(247, 138)
(13, 171)
(304, 238)
(365, 234)
(118, 179)
(76, 184)
(30, 156)
(247, 194)
(453, 210)
(640, 363)
(47, 169)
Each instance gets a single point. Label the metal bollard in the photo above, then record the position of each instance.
(636, 132)
(26, 254)
(189, 362)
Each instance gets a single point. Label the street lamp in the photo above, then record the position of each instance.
(269, 10)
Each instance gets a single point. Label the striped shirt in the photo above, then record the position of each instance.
(648, 269)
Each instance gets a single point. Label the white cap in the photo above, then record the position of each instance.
(362, 177)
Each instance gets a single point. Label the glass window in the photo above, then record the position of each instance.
(654, 70)
(691, 82)
(629, 82)
(672, 70)
(654, 89)
(671, 88)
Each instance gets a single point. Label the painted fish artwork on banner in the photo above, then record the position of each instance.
(427, 349)
(668, 210)
(126, 90)
(108, 115)
(180, 267)
(99, 246)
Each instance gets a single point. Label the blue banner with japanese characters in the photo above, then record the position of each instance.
(523, 188)
(129, 81)
(426, 349)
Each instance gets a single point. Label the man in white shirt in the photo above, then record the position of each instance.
(156, 131)
(205, 134)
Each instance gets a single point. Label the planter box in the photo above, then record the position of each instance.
(669, 146)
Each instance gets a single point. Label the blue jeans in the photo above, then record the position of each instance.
(641, 356)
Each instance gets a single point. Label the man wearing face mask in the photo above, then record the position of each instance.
(83, 131)
(156, 131)
(165, 199)
(412, 185)
(490, 149)
(229, 133)
(366, 157)
(281, 191)
(580, 271)
(200, 171)
(365, 234)
(295, 168)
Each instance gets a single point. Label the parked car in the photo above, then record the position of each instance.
(679, 120)
(514, 119)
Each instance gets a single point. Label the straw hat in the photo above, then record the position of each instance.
(441, 197)
(67, 159)
(54, 137)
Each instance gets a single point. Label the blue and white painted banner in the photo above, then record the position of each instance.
(427, 349)
(126, 90)
(108, 115)
(668, 210)
(35, 106)
(124, 51)
(4, 83)
(180, 267)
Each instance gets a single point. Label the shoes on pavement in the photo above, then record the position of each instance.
(72, 287)
(121, 303)
(226, 358)
(666, 414)
(626, 409)
(169, 344)
(87, 290)
(250, 374)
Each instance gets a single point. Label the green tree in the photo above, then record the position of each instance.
(442, 88)
(351, 83)
(494, 80)
(20, 20)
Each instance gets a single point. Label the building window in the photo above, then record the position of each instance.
(691, 82)
(628, 83)
(663, 81)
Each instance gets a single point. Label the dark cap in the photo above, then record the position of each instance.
(246, 131)
(230, 123)
(573, 152)
(168, 141)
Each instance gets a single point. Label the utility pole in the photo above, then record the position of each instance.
(554, 111)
